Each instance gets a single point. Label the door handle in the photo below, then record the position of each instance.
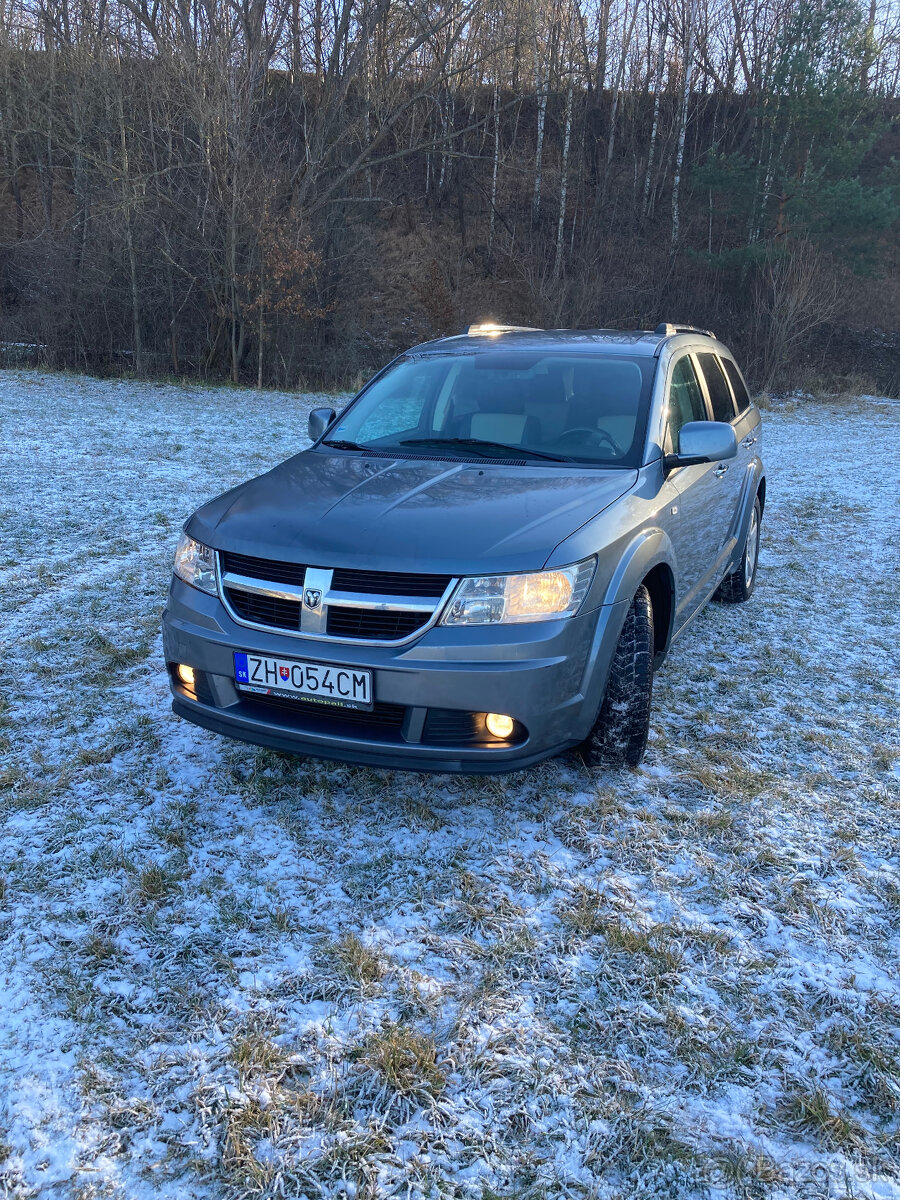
(721, 469)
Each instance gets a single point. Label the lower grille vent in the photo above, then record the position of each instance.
(382, 723)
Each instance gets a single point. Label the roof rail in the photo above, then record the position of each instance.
(667, 330)
(491, 327)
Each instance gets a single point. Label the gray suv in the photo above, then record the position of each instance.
(482, 560)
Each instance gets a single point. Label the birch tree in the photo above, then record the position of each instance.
(688, 62)
(564, 176)
(657, 96)
(542, 84)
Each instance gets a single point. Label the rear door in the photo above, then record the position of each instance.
(748, 426)
(697, 532)
(722, 404)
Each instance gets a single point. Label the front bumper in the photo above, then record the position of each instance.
(548, 675)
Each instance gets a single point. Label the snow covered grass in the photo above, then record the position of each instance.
(231, 973)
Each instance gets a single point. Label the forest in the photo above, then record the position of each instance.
(290, 192)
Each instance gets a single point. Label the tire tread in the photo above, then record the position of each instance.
(733, 589)
(619, 736)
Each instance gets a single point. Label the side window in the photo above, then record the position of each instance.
(685, 399)
(741, 394)
(717, 386)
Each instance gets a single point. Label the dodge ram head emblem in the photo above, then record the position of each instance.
(312, 597)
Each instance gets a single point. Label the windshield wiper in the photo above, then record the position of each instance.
(338, 444)
(519, 451)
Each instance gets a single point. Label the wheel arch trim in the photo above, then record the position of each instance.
(649, 559)
(754, 485)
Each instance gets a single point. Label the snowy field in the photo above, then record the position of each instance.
(229, 973)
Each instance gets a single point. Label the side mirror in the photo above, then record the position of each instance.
(703, 442)
(319, 420)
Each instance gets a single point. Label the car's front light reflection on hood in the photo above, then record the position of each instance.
(196, 564)
(512, 599)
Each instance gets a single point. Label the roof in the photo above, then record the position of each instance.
(610, 341)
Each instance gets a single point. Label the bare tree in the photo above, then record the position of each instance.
(687, 74)
(564, 177)
(249, 188)
(795, 293)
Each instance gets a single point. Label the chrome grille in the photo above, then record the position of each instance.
(262, 568)
(339, 604)
(265, 610)
(393, 583)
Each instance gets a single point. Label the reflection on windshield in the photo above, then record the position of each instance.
(552, 406)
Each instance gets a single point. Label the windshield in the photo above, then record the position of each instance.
(546, 406)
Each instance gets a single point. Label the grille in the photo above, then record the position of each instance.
(376, 626)
(396, 583)
(382, 723)
(361, 624)
(262, 568)
(389, 583)
(265, 610)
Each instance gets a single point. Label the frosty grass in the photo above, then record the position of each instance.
(228, 972)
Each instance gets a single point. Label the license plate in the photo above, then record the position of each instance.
(324, 683)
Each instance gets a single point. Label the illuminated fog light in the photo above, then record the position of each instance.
(185, 674)
(499, 725)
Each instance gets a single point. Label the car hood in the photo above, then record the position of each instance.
(407, 515)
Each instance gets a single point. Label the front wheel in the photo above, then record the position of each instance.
(738, 586)
(619, 738)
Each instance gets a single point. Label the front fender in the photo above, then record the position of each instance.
(648, 549)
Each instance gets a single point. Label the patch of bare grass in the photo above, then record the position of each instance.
(403, 1060)
(355, 962)
(810, 1109)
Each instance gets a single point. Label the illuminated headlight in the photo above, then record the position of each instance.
(196, 564)
(511, 599)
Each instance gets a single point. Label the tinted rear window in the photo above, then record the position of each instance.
(717, 384)
(740, 392)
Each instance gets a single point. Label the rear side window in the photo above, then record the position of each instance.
(717, 386)
(685, 399)
(740, 392)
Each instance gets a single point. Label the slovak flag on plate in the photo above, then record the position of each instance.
(284, 672)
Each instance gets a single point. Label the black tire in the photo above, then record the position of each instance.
(619, 738)
(738, 586)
